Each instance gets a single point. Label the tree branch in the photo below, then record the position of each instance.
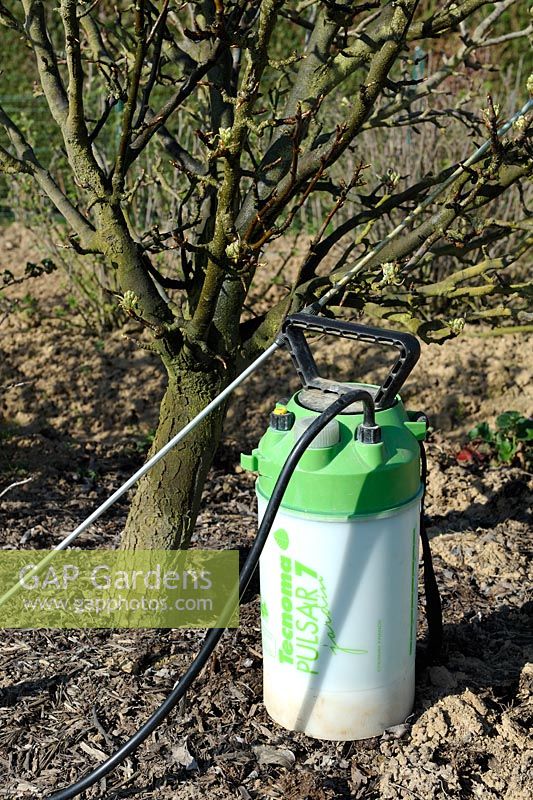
(225, 235)
(450, 63)
(448, 286)
(363, 102)
(403, 246)
(157, 33)
(486, 24)
(11, 165)
(160, 117)
(47, 67)
(507, 37)
(121, 164)
(381, 206)
(76, 116)
(9, 20)
(325, 154)
(27, 158)
(450, 17)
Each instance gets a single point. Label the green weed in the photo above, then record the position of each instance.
(510, 439)
(143, 443)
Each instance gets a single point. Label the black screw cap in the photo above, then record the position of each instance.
(283, 421)
(369, 434)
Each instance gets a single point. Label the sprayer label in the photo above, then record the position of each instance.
(306, 621)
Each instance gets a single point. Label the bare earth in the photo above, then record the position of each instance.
(75, 417)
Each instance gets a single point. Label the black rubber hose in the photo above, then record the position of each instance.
(369, 414)
(213, 637)
(431, 587)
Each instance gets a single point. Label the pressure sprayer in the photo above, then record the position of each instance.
(339, 570)
(340, 492)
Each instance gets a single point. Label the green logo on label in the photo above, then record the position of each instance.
(282, 538)
(306, 618)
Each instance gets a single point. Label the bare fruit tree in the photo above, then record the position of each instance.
(247, 116)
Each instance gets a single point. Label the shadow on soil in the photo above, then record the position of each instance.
(481, 652)
(509, 501)
(12, 694)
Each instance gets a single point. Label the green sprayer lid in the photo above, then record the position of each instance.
(345, 478)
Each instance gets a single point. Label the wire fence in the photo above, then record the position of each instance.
(31, 113)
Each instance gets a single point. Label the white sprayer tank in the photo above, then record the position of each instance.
(339, 574)
(338, 619)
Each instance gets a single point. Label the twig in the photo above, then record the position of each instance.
(16, 385)
(12, 486)
(406, 789)
(88, 10)
(100, 728)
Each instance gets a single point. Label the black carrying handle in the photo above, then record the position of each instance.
(295, 326)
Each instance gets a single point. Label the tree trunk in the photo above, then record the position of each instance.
(164, 508)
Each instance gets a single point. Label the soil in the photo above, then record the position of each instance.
(76, 414)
